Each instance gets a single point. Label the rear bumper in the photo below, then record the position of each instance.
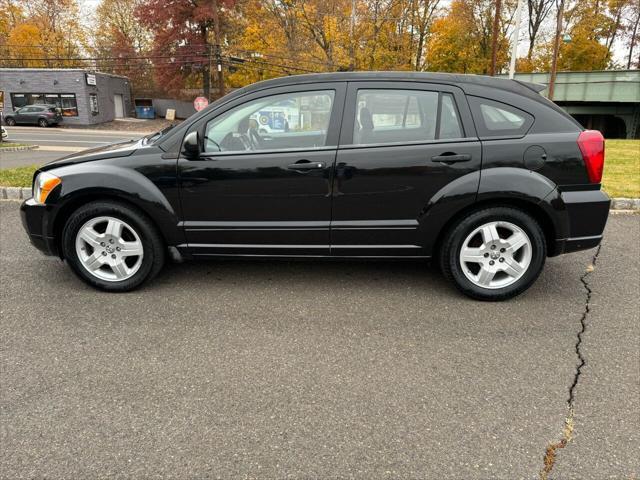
(587, 212)
(35, 220)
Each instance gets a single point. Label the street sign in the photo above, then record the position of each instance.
(200, 103)
(91, 79)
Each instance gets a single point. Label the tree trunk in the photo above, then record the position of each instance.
(556, 50)
(633, 41)
(494, 41)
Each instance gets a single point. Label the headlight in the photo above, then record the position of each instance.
(44, 184)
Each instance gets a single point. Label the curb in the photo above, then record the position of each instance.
(17, 149)
(617, 204)
(625, 204)
(14, 193)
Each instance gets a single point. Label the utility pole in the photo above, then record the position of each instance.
(494, 43)
(514, 41)
(556, 50)
(218, 48)
(206, 74)
(352, 49)
(208, 94)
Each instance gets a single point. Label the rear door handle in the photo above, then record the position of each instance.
(306, 165)
(451, 158)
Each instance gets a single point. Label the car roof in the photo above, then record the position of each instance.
(39, 105)
(516, 86)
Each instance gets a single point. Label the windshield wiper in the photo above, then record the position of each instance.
(156, 135)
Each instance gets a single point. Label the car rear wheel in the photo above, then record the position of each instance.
(43, 123)
(493, 254)
(112, 247)
(10, 122)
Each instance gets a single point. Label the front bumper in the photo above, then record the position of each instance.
(587, 212)
(35, 220)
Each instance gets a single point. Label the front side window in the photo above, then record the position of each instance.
(392, 116)
(279, 122)
(499, 119)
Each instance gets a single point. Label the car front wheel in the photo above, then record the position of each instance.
(10, 122)
(43, 123)
(112, 247)
(494, 254)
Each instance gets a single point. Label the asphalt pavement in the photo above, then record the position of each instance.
(54, 143)
(65, 137)
(271, 369)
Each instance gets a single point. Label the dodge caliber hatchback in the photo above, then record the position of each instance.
(483, 175)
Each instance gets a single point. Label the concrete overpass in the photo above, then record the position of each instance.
(608, 101)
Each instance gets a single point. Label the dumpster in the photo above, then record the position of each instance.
(144, 108)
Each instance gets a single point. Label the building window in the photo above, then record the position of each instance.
(18, 100)
(52, 99)
(64, 101)
(93, 103)
(69, 105)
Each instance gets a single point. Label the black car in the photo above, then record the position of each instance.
(41, 115)
(483, 175)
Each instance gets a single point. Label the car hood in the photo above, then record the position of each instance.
(115, 150)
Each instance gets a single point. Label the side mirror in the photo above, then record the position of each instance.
(191, 145)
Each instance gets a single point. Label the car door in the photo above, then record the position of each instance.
(25, 115)
(252, 192)
(401, 143)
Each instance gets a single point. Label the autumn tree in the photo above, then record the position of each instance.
(461, 40)
(182, 39)
(41, 33)
(538, 12)
(120, 43)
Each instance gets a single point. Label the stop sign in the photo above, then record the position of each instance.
(199, 103)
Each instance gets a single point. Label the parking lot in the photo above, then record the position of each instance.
(306, 369)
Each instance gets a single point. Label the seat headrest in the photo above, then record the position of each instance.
(366, 119)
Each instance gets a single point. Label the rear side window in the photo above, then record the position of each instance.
(390, 116)
(496, 119)
(404, 116)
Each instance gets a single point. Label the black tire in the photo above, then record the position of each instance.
(454, 239)
(43, 123)
(10, 122)
(153, 247)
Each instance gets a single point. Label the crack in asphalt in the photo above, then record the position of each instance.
(567, 432)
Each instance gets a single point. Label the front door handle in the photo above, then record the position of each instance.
(304, 165)
(451, 158)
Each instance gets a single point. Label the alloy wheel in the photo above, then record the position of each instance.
(496, 255)
(109, 249)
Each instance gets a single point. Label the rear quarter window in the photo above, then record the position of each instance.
(497, 119)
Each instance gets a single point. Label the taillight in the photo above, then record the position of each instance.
(591, 144)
